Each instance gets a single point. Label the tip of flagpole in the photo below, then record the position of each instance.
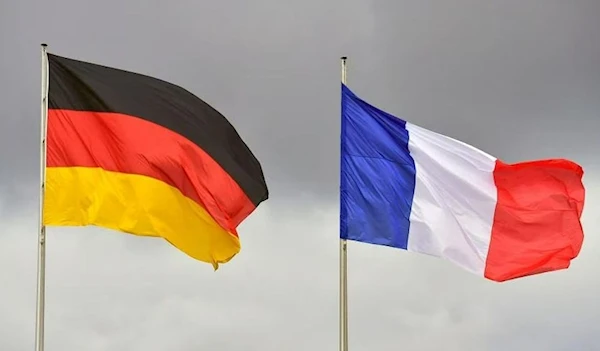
(44, 44)
(344, 58)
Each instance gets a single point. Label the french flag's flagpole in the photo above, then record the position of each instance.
(343, 268)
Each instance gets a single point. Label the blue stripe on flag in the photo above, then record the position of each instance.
(377, 180)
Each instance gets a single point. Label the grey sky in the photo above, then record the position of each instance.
(519, 79)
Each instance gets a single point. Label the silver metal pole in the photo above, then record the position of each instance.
(41, 269)
(343, 270)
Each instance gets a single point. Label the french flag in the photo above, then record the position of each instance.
(411, 188)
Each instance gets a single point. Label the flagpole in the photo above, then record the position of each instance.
(41, 268)
(343, 268)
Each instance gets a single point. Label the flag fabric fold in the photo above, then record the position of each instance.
(410, 188)
(143, 156)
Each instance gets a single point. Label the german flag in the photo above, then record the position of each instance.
(142, 156)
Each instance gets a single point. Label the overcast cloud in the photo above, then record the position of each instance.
(518, 79)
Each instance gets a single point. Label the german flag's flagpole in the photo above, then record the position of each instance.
(142, 156)
(41, 268)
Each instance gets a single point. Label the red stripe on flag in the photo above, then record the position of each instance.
(536, 224)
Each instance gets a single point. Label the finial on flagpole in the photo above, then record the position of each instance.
(343, 58)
